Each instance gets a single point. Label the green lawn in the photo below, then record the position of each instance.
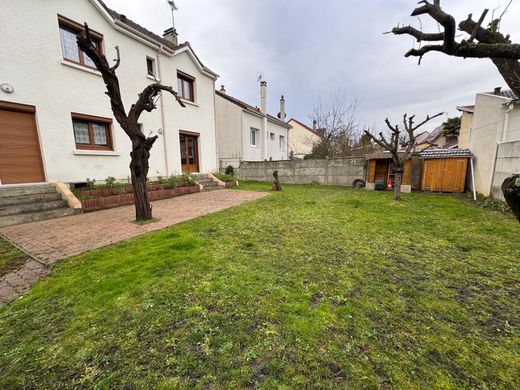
(10, 258)
(313, 287)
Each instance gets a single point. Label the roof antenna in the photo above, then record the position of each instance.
(174, 8)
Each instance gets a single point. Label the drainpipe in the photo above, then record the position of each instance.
(473, 179)
(263, 109)
(163, 120)
(510, 107)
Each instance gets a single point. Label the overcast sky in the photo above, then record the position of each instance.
(305, 49)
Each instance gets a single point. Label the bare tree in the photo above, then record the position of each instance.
(400, 154)
(141, 145)
(490, 43)
(338, 117)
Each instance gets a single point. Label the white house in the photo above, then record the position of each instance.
(55, 119)
(494, 140)
(302, 138)
(247, 133)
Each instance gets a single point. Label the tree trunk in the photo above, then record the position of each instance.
(397, 183)
(511, 190)
(139, 170)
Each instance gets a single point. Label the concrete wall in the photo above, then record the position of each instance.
(507, 164)
(57, 88)
(328, 172)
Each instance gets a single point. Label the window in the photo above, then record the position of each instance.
(271, 136)
(185, 85)
(92, 132)
(150, 66)
(69, 45)
(254, 137)
(282, 142)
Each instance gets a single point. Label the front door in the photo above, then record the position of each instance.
(189, 152)
(20, 157)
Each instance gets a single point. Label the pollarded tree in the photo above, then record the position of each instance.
(400, 153)
(141, 144)
(482, 42)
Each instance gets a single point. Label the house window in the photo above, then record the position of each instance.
(282, 142)
(271, 136)
(185, 86)
(254, 137)
(69, 45)
(150, 66)
(92, 132)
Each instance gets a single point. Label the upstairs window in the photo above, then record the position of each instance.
(254, 137)
(282, 142)
(150, 66)
(92, 132)
(185, 86)
(271, 136)
(69, 45)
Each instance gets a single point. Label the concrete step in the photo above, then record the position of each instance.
(9, 192)
(215, 188)
(24, 208)
(22, 199)
(39, 216)
(208, 183)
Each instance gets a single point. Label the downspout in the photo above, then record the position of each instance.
(163, 120)
(510, 107)
(473, 179)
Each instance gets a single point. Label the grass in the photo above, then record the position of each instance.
(312, 287)
(10, 257)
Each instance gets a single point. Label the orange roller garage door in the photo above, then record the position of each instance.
(20, 157)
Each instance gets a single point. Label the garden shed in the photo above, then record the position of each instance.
(444, 170)
(380, 168)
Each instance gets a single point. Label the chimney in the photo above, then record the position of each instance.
(172, 36)
(263, 97)
(223, 88)
(497, 91)
(314, 125)
(281, 115)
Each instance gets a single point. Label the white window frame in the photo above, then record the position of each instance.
(282, 145)
(154, 67)
(253, 133)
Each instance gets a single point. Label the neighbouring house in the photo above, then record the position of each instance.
(465, 125)
(302, 138)
(494, 140)
(248, 133)
(56, 123)
(436, 140)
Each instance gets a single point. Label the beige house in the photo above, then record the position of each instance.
(301, 139)
(465, 125)
(494, 140)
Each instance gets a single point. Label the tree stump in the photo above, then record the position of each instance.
(276, 185)
(511, 190)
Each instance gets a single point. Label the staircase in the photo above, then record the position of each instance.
(207, 183)
(31, 203)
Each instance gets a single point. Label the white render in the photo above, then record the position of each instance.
(33, 63)
(301, 139)
(235, 121)
(496, 126)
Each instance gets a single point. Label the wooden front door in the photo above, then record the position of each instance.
(189, 152)
(20, 157)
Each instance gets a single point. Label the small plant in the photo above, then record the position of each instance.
(172, 182)
(110, 182)
(230, 170)
(91, 183)
(495, 205)
(188, 180)
(224, 177)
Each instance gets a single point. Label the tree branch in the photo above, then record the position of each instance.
(419, 35)
(146, 101)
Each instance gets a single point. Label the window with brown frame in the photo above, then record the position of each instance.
(69, 45)
(92, 132)
(185, 86)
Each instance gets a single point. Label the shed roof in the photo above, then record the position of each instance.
(445, 153)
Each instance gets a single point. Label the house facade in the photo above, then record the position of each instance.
(247, 133)
(301, 138)
(494, 140)
(56, 123)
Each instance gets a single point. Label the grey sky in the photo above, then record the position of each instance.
(306, 49)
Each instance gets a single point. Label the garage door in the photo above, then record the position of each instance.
(444, 175)
(20, 157)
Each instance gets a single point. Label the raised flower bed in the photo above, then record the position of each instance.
(106, 198)
(228, 180)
